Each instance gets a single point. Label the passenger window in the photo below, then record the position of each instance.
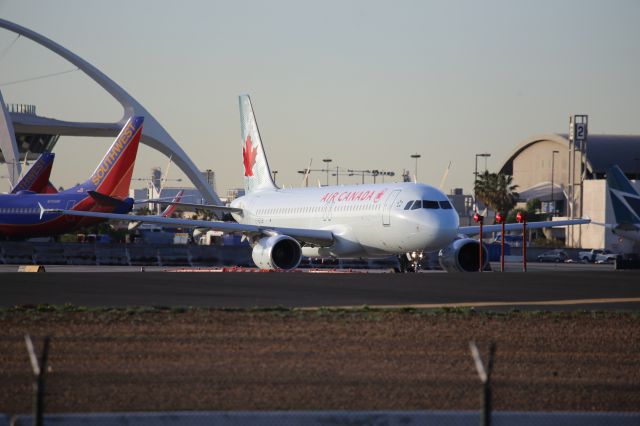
(416, 205)
(428, 204)
(446, 205)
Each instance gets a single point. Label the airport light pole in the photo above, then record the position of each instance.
(327, 161)
(480, 219)
(521, 217)
(553, 205)
(501, 220)
(415, 170)
(274, 173)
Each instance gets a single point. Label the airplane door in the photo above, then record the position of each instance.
(386, 213)
(327, 211)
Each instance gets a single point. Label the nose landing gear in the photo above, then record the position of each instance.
(410, 262)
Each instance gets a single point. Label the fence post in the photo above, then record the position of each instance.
(39, 371)
(485, 378)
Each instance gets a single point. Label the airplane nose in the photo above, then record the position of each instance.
(446, 229)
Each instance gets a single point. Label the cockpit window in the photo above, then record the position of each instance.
(446, 205)
(408, 206)
(428, 204)
(416, 205)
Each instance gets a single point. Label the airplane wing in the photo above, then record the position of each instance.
(486, 229)
(223, 209)
(317, 237)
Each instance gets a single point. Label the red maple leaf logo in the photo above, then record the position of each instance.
(249, 155)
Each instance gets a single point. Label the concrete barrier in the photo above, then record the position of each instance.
(52, 253)
(324, 418)
(31, 268)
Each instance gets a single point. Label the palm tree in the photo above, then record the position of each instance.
(496, 191)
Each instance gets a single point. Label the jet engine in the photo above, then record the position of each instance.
(277, 252)
(463, 256)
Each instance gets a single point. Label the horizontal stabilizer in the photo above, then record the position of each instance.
(104, 200)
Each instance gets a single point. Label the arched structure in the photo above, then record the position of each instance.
(533, 161)
(154, 135)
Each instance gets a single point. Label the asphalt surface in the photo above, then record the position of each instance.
(593, 289)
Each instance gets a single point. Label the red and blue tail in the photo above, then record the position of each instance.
(112, 177)
(37, 178)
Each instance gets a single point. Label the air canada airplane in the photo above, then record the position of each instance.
(625, 201)
(37, 177)
(106, 190)
(350, 221)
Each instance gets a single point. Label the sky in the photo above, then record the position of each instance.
(365, 83)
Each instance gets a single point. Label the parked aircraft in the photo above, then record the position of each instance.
(625, 201)
(350, 221)
(37, 177)
(106, 190)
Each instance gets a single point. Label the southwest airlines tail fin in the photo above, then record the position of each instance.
(257, 175)
(37, 178)
(625, 199)
(112, 177)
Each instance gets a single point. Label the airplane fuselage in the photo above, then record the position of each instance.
(366, 220)
(20, 213)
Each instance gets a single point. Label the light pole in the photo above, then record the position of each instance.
(553, 157)
(274, 172)
(327, 161)
(415, 171)
(475, 174)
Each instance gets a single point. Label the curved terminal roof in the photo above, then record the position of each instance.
(602, 151)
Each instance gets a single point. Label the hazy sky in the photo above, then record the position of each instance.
(366, 83)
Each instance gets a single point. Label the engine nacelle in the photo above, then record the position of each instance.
(277, 252)
(463, 256)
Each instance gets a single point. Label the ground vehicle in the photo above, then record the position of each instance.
(556, 255)
(592, 256)
(512, 240)
(605, 257)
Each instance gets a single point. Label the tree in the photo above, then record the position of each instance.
(496, 191)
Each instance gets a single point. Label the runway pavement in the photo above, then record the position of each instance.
(593, 289)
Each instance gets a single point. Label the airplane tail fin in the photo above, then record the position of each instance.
(50, 189)
(37, 178)
(257, 175)
(167, 212)
(625, 199)
(112, 177)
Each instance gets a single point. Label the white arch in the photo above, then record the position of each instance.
(154, 135)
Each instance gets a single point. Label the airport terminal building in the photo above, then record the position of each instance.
(540, 166)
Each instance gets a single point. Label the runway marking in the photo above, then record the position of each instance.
(488, 304)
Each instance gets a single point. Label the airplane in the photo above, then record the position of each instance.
(625, 201)
(347, 221)
(37, 177)
(106, 190)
